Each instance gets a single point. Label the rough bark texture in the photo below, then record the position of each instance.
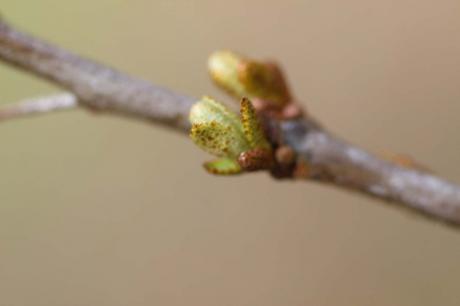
(323, 156)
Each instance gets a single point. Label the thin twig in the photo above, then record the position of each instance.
(36, 106)
(321, 156)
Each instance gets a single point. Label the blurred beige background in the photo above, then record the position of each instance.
(99, 210)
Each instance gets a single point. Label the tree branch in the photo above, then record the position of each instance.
(320, 156)
(96, 86)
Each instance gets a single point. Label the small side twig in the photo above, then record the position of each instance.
(36, 106)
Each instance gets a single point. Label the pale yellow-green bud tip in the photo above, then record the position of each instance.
(242, 77)
(224, 70)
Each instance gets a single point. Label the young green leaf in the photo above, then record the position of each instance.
(216, 129)
(251, 126)
(223, 166)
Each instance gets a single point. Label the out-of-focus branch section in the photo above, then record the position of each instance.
(326, 158)
(318, 155)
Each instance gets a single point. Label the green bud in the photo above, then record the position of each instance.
(222, 133)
